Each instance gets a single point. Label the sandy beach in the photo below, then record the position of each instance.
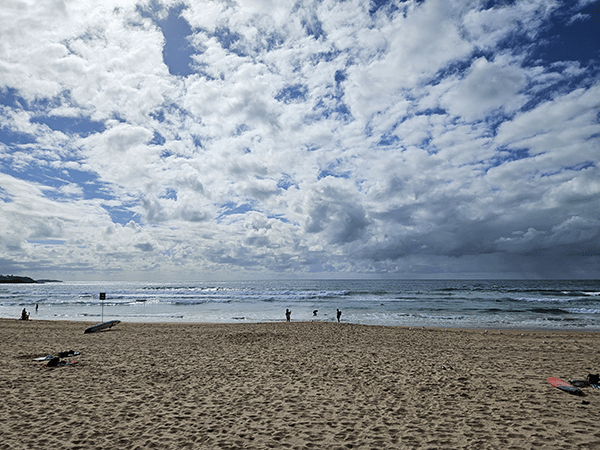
(295, 386)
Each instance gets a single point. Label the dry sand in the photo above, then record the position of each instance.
(294, 386)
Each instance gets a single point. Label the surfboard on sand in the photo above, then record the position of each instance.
(102, 326)
(563, 385)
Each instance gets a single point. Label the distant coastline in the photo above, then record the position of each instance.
(18, 279)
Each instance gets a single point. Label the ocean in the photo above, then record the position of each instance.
(486, 304)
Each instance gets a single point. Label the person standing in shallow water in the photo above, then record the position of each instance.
(288, 315)
(339, 315)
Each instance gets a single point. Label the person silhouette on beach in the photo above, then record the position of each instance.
(339, 315)
(24, 314)
(36, 307)
(288, 315)
(315, 312)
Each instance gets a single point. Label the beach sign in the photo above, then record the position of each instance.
(104, 325)
(102, 298)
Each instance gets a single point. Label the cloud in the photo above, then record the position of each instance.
(178, 140)
(575, 236)
(487, 86)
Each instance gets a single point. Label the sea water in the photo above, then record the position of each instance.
(494, 304)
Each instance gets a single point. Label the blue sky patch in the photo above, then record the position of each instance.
(339, 77)
(567, 38)
(231, 208)
(121, 215)
(385, 6)
(290, 94)
(577, 168)
(505, 155)
(10, 137)
(388, 139)
(10, 97)
(157, 139)
(331, 173)
(313, 27)
(494, 121)
(332, 107)
(70, 125)
(229, 40)
(170, 194)
(177, 50)
(47, 242)
(286, 182)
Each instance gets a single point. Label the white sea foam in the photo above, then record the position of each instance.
(546, 299)
(582, 310)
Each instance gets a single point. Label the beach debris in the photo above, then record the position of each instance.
(579, 383)
(56, 362)
(593, 378)
(65, 354)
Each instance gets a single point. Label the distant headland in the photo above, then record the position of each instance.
(16, 279)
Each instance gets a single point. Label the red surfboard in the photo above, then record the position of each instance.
(557, 382)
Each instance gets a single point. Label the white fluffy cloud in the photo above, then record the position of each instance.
(420, 138)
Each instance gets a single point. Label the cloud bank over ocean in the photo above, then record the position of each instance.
(189, 139)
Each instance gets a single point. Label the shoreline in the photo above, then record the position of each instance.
(294, 385)
(329, 321)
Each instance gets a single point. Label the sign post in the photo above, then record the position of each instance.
(102, 298)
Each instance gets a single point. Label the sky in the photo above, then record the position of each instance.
(172, 140)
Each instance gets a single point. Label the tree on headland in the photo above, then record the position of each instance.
(17, 279)
(14, 279)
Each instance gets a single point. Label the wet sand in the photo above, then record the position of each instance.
(294, 386)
